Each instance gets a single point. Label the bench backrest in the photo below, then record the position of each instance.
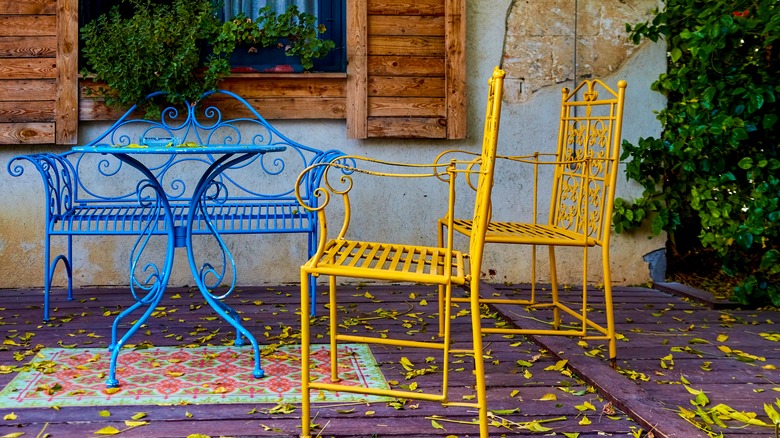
(271, 177)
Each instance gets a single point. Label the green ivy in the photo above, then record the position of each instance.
(711, 180)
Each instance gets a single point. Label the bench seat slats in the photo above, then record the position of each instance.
(227, 218)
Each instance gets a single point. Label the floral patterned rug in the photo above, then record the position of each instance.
(176, 375)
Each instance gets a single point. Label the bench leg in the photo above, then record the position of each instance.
(48, 273)
(69, 268)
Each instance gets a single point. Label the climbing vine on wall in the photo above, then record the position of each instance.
(712, 179)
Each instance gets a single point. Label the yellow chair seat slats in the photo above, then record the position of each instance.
(527, 234)
(342, 256)
(390, 261)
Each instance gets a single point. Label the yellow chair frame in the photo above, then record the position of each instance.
(339, 257)
(583, 191)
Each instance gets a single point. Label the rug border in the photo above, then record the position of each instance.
(26, 379)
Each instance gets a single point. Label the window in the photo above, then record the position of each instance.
(331, 13)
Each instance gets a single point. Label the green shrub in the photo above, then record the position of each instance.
(712, 179)
(157, 48)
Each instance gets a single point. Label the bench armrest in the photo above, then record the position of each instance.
(58, 178)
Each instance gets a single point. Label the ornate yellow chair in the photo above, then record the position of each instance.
(337, 256)
(584, 172)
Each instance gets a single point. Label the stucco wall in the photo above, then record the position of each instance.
(498, 33)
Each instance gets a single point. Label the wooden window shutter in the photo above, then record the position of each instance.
(38, 71)
(406, 70)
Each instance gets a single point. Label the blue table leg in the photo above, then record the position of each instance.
(207, 277)
(153, 286)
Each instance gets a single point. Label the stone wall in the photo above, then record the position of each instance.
(539, 44)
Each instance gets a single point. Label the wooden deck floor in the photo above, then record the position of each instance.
(655, 324)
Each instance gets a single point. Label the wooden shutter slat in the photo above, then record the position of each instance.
(42, 89)
(28, 7)
(405, 7)
(26, 111)
(406, 86)
(406, 127)
(28, 68)
(28, 25)
(408, 107)
(28, 47)
(393, 65)
(406, 25)
(26, 133)
(406, 45)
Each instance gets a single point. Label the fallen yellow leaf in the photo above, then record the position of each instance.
(129, 423)
(108, 430)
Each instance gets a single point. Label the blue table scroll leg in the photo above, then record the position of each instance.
(209, 190)
(153, 287)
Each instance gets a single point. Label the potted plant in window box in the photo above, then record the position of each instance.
(182, 48)
(285, 42)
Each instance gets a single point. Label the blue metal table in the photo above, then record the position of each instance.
(149, 291)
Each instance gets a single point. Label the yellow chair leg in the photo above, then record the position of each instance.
(334, 352)
(554, 288)
(441, 286)
(479, 364)
(533, 275)
(305, 350)
(608, 308)
(584, 314)
(447, 334)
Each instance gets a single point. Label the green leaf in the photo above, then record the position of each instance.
(744, 239)
(675, 54)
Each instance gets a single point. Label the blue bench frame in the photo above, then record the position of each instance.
(83, 202)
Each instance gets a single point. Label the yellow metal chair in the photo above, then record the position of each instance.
(337, 256)
(584, 169)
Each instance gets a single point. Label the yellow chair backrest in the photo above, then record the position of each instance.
(482, 208)
(590, 128)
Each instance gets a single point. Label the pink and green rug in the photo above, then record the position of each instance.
(175, 375)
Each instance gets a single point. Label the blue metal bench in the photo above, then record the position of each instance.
(88, 194)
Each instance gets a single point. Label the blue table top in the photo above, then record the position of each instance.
(185, 148)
